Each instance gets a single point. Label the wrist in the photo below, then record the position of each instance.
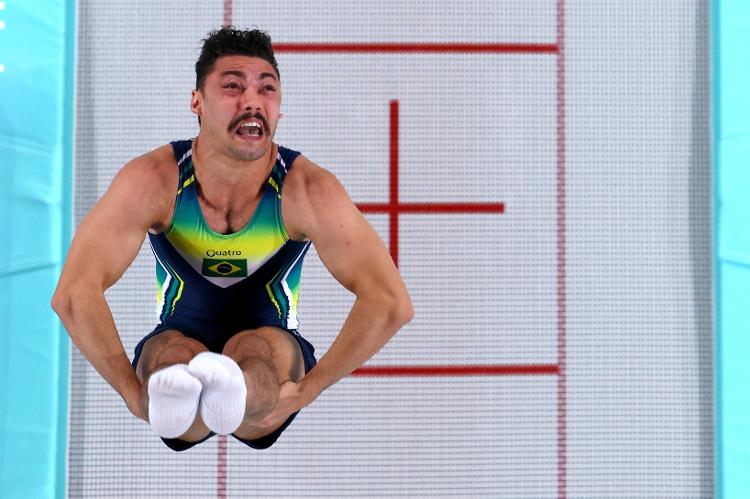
(130, 389)
(308, 390)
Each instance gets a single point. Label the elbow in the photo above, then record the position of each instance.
(60, 301)
(402, 311)
(66, 298)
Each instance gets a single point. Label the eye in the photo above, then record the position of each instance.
(232, 85)
(269, 88)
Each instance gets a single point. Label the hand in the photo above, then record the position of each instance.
(291, 400)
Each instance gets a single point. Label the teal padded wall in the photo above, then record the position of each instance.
(37, 42)
(731, 22)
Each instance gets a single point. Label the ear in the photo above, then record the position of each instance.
(196, 102)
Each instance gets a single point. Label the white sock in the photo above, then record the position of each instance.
(223, 398)
(173, 396)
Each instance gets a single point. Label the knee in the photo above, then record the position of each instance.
(179, 351)
(247, 344)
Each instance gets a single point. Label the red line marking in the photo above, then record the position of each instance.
(221, 453)
(561, 259)
(221, 457)
(432, 208)
(227, 12)
(475, 370)
(394, 208)
(455, 48)
(393, 184)
(221, 472)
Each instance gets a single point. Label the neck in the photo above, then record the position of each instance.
(226, 182)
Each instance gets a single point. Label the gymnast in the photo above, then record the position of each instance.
(229, 215)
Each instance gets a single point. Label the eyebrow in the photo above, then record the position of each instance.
(240, 74)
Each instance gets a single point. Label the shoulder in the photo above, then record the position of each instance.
(151, 181)
(154, 169)
(310, 193)
(309, 181)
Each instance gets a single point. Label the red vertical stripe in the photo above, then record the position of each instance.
(393, 188)
(221, 458)
(221, 472)
(561, 260)
(227, 12)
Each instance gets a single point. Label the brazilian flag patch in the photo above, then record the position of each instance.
(224, 268)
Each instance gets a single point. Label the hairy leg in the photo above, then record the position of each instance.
(268, 358)
(162, 351)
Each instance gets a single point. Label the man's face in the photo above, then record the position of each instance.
(239, 106)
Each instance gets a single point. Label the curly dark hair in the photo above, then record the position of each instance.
(231, 41)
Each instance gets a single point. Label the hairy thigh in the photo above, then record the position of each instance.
(165, 349)
(272, 344)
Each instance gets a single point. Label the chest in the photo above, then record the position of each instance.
(228, 221)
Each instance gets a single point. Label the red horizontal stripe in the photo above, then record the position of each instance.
(432, 207)
(476, 370)
(458, 48)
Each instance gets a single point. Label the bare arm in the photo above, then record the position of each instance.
(356, 256)
(105, 244)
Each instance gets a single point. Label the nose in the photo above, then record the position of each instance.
(250, 101)
(251, 109)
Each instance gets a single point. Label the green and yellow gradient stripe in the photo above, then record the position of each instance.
(283, 289)
(173, 293)
(292, 281)
(279, 297)
(186, 183)
(273, 289)
(274, 185)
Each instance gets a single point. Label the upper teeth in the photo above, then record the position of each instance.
(251, 124)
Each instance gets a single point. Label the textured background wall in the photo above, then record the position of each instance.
(587, 300)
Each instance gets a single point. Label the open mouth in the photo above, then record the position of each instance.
(250, 129)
